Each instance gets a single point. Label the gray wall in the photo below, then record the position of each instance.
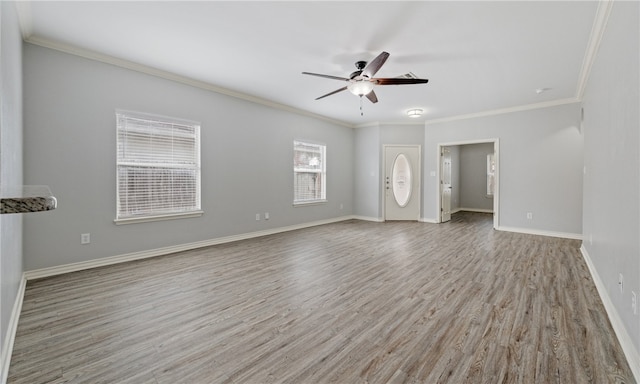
(540, 165)
(369, 166)
(612, 162)
(10, 160)
(473, 177)
(247, 152)
(367, 173)
(69, 144)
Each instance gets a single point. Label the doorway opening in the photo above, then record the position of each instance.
(446, 186)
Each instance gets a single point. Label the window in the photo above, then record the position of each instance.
(309, 173)
(491, 174)
(158, 168)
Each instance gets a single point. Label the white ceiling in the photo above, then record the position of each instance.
(478, 56)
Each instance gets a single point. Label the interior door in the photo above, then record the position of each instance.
(402, 182)
(445, 185)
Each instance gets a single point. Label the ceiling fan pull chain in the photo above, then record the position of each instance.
(361, 112)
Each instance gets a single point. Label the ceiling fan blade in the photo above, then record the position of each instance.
(331, 93)
(398, 81)
(372, 97)
(375, 65)
(326, 76)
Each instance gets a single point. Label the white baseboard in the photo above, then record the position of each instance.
(564, 235)
(381, 220)
(368, 218)
(633, 357)
(631, 353)
(7, 347)
(58, 270)
(473, 210)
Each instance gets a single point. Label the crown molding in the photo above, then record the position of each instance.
(23, 9)
(96, 56)
(597, 31)
(600, 21)
(394, 123)
(100, 57)
(502, 111)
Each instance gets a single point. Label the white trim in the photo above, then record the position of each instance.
(305, 203)
(597, 31)
(631, 353)
(100, 57)
(367, 218)
(501, 111)
(7, 347)
(58, 270)
(428, 220)
(25, 19)
(419, 123)
(478, 210)
(147, 219)
(496, 193)
(96, 56)
(154, 117)
(540, 232)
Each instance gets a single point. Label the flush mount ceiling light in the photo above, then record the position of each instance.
(416, 112)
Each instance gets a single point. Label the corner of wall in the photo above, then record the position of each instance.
(7, 345)
(632, 355)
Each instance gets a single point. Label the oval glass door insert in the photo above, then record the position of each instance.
(401, 180)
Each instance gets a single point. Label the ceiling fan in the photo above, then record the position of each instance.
(361, 82)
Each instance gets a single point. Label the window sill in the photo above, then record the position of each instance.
(306, 203)
(146, 219)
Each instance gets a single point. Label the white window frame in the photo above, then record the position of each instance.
(320, 172)
(166, 132)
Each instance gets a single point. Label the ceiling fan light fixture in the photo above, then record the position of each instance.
(361, 87)
(415, 113)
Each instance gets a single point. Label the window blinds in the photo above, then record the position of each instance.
(158, 166)
(308, 172)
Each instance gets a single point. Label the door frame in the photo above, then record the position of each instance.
(496, 192)
(384, 172)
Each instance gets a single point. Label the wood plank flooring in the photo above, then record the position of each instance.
(350, 302)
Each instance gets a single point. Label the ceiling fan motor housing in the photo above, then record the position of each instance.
(360, 65)
(355, 74)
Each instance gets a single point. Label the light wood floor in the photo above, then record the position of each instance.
(351, 302)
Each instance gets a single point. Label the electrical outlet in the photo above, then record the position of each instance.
(257, 217)
(341, 206)
(634, 303)
(590, 239)
(621, 283)
(529, 215)
(266, 215)
(85, 238)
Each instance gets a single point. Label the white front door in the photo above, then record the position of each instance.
(402, 182)
(445, 184)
